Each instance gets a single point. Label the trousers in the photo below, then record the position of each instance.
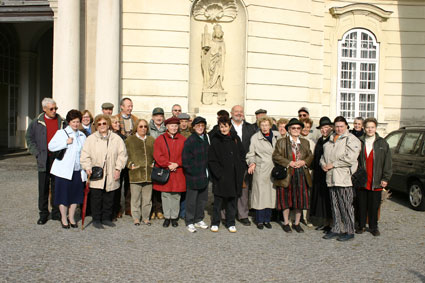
(46, 181)
(342, 209)
(230, 210)
(101, 204)
(170, 205)
(368, 204)
(141, 200)
(196, 200)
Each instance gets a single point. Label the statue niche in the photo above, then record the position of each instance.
(212, 63)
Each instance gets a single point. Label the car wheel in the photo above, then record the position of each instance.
(417, 196)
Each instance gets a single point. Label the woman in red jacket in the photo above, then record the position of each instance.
(168, 149)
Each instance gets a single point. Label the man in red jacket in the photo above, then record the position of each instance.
(168, 154)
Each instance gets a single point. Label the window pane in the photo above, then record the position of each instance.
(408, 143)
(393, 139)
(349, 47)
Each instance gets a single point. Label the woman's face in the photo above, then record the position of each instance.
(265, 127)
(282, 130)
(74, 124)
(306, 130)
(86, 119)
(370, 129)
(142, 128)
(115, 125)
(172, 128)
(224, 129)
(102, 126)
(340, 128)
(199, 128)
(295, 131)
(326, 130)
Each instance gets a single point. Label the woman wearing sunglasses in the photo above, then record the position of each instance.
(106, 150)
(294, 153)
(140, 160)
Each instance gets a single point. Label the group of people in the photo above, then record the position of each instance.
(326, 175)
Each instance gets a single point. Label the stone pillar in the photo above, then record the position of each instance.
(107, 54)
(66, 56)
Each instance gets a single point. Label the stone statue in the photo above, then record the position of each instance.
(212, 63)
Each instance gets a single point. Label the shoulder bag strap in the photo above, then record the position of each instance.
(169, 155)
(106, 156)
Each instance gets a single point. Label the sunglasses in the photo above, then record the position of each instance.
(296, 128)
(53, 108)
(102, 124)
(175, 110)
(143, 127)
(302, 115)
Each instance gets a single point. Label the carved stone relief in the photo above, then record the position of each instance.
(215, 10)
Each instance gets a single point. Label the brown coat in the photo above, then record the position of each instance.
(140, 153)
(282, 155)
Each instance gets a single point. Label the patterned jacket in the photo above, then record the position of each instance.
(134, 120)
(195, 161)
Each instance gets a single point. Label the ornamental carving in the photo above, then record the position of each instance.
(215, 10)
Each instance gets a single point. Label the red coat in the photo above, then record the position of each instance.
(177, 181)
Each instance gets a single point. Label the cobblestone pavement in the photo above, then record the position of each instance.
(30, 252)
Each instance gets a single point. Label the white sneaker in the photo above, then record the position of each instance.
(214, 228)
(191, 228)
(201, 224)
(232, 229)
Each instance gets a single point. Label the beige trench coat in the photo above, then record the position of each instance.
(263, 193)
(94, 152)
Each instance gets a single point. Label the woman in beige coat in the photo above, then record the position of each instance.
(259, 159)
(107, 150)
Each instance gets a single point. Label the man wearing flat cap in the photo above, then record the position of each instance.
(259, 114)
(156, 125)
(107, 108)
(184, 124)
(168, 154)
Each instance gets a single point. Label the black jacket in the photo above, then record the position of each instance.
(226, 160)
(382, 162)
(36, 138)
(195, 161)
(248, 130)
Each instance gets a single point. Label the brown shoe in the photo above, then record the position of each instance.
(119, 215)
(160, 215)
(153, 216)
(128, 212)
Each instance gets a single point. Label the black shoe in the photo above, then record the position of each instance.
(267, 225)
(260, 226)
(245, 221)
(360, 230)
(65, 226)
(375, 233)
(287, 228)
(42, 221)
(73, 225)
(108, 223)
(298, 228)
(56, 217)
(166, 223)
(327, 229)
(321, 227)
(330, 235)
(175, 222)
(98, 225)
(345, 237)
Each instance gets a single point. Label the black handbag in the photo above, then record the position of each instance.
(359, 178)
(96, 171)
(60, 153)
(279, 172)
(161, 175)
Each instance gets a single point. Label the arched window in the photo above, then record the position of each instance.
(358, 57)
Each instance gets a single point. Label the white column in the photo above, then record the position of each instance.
(107, 54)
(66, 56)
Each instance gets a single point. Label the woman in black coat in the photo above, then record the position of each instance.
(227, 164)
(320, 199)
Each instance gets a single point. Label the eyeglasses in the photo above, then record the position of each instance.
(302, 115)
(101, 124)
(143, 127)
(53, 108)
(296, 128)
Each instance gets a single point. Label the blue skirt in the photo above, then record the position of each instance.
(68, 192)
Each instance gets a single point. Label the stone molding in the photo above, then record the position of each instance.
(361, 9)
(215, 10)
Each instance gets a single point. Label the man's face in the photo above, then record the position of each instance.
(340, 128)
(184, 124)
(358, 125)
(303, 115)
(237, 113)
(261, 115)
(176, 110)
(107, 111)
(325, 130)
(50, 110)
(127, 107)
(158, 119)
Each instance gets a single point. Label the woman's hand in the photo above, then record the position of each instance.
(69, 140)
(88, 172)
(251, 168)
(173, 166)
(300, 163)
(384, 184)
(292, 164)
(117, 174)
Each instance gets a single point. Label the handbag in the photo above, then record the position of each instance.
(60, 153)
(359, 178)
(279, 172)
(161, 175)
(97, 171)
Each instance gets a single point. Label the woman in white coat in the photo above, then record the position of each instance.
(259, 159)
(69, 187)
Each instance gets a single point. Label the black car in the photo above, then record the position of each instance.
(407, 145)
